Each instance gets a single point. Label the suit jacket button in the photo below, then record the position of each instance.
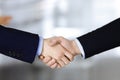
(9, 52)
(14, 55)
(18, 55)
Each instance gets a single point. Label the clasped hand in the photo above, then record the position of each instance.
(58, 52)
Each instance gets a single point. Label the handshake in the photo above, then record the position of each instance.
(58, 52)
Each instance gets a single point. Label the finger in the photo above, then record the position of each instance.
(54, 66)
(47, 59)
(65, 60)
(61, 63)
(53, 61)
(58, 66)
(69, 56)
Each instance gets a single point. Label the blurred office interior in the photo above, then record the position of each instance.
(68, 18)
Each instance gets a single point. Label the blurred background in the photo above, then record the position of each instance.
(68, 18)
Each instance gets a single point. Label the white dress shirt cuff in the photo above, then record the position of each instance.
(80, 48)
(40, 46)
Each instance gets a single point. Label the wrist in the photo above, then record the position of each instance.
(76, 48)
(43, 49)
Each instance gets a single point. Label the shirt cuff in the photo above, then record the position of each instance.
(40, 46)
(80, 48)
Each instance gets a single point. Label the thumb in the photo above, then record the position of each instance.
(54, 41)
(41, 57)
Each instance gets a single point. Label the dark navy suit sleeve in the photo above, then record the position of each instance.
(18, 44)
(102, 39)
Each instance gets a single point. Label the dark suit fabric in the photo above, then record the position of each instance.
(18, 44)
(102, 39)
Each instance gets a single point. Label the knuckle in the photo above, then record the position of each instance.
(52, 67)
(59, 57)
(53, 61)
(44, 61)
(48, 64)
(60, 37)
(66, 63)
(48, 58)
(71, 57)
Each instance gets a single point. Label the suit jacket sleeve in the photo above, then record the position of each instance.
(102, 39)
(18, 44)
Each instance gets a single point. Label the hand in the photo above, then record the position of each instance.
(69, 45)
(49, 61)
(57, 53)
